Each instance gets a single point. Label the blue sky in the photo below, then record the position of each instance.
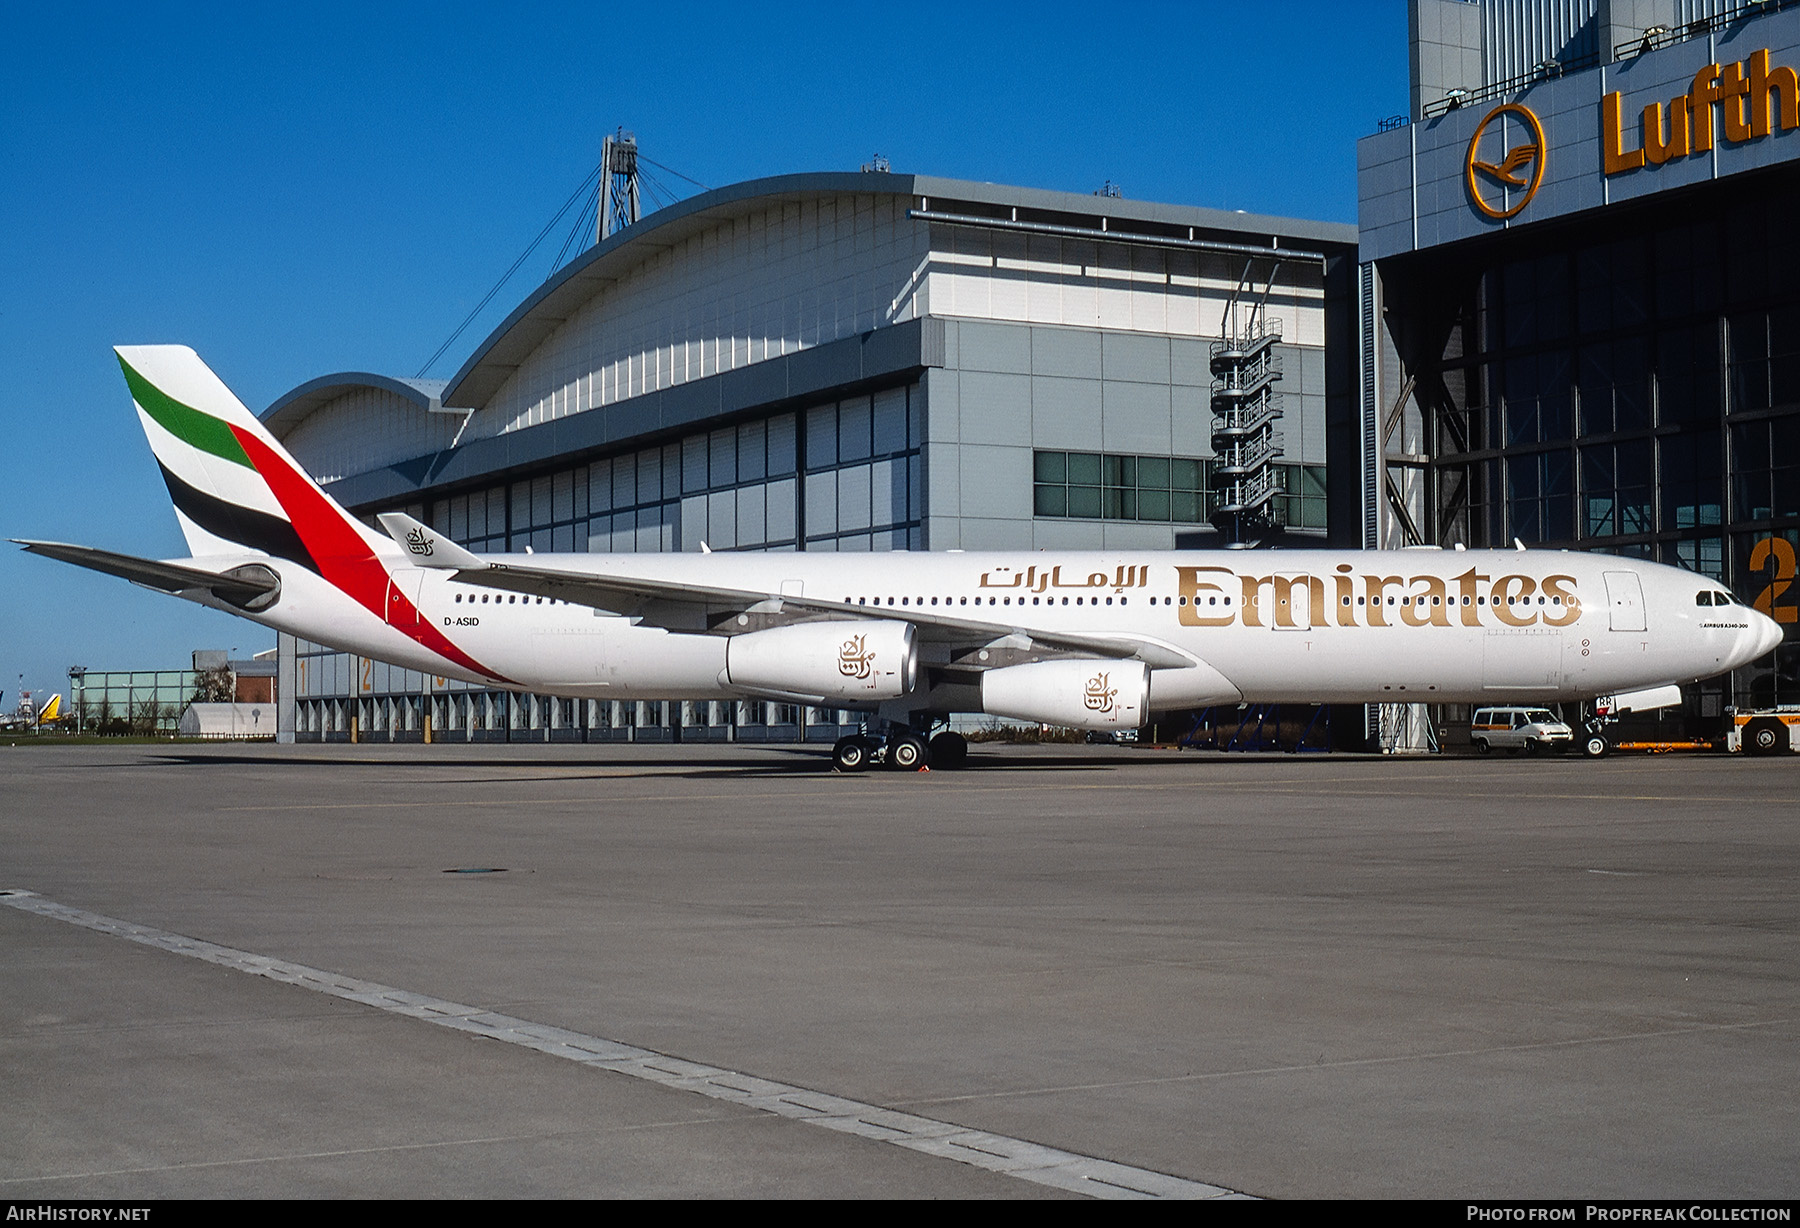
(322, 188)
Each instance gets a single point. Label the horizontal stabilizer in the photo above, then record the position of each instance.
(426, 546)
(242, 586)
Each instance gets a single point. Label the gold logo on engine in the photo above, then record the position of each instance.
(1100, 695)
(854, 658)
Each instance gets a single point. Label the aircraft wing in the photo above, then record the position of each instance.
(239, 588)
(676, 605)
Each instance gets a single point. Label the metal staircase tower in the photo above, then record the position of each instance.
(619, 205)
(1246, 405)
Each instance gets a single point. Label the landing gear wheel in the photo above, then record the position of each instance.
(949, 750)
(850, 754)
(1595, 746)
(907, 753)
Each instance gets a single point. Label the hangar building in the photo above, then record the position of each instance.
(844, 362)
(1579, 296)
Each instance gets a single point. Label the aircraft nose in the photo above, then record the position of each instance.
(1765, 632)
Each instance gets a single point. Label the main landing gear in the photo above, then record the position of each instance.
(904, 750)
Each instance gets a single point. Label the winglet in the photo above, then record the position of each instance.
(426, 546)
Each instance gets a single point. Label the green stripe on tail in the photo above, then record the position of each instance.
(187, 424)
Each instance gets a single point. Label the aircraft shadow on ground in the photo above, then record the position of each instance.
(716, 761)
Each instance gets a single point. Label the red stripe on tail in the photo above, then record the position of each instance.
(344, 558)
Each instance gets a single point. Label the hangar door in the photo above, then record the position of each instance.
(1625, 601)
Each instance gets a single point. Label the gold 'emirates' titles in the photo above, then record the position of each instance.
(1360, 600)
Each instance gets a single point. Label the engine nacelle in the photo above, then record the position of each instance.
(1082, 694)
(835, 660)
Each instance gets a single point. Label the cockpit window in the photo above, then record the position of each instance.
(1703, 598)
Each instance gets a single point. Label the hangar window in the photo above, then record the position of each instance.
(1161, 489)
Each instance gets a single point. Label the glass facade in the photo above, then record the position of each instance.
(840, 476)
(132, 701)
(1630, 386)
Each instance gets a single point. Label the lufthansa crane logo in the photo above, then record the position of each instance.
(1512, 136)
(854, 659)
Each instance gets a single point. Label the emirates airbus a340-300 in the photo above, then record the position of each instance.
(1096, 641)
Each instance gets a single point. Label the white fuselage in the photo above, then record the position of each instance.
(1258, 627)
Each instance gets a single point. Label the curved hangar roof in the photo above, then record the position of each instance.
(552, 303)
(294, 406)
(355, 421)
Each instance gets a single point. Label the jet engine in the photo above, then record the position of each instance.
(834, 660)
(1095, 694)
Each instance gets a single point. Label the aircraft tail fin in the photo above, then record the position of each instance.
(234, 487)
(51, 711)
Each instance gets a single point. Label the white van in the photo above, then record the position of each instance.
(1518, 729)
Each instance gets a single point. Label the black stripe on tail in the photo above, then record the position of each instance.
(251, 529)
